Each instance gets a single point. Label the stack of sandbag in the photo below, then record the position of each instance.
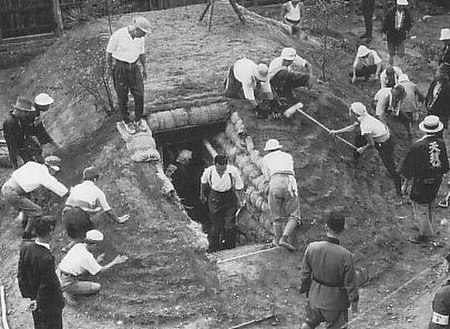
(141, 145)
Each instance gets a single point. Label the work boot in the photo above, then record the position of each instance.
(277, 232)
(289, 230)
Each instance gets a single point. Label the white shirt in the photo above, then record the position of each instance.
(277, 65)
(371, 59)
(43, 244)
(277, 162)
(124, 48)
(87, 193)
(33, 175)
(370, 125)
(383, 76)
(293, 12)
(384, 99)
(222, 184)
(79, 260)
(244, 72)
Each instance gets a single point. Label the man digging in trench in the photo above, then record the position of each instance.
(126, 46)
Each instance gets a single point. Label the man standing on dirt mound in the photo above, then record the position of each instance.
(292, 13)
(278, 170)
(375, 134)
(284, 75)
(126, 46)
(396, 26)
(225, 187)
(424, 165)
(37, 278)
(29, 178)
(328, 278)
(368, 7)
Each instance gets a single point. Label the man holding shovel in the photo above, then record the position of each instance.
(376, 134)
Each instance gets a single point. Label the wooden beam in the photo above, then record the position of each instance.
(58, 18)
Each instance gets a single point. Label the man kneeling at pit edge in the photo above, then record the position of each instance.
(80, 260)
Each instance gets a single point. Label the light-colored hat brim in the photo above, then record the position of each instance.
(55, 168)
(32, 109)
(431, 131)
(273, 148)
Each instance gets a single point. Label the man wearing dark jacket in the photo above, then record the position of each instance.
(328, 278)
(368, 7)
(424, 165)
(441, 307)
(444, 59)
(438, 97)
(396, 26)
(38, 280)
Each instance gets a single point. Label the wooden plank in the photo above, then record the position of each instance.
(57, 17)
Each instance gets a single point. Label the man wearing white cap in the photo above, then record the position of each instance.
(423, 166)
(278, 171)
(367, 63)
(396, 26)
(245, 77)
(444, 60)
(284, 74)
(29, 178)
(375, 134)
(80, 260)
(126, 46)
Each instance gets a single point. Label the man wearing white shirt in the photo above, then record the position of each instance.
(126, 46)
(246, 77)
(26, 179)
(86, 199)
(284, 73)
(278, 170)
(225, 185)
(80, 260)
(367, 63)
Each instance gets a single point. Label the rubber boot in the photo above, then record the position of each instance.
(289, 229)
(277, 232)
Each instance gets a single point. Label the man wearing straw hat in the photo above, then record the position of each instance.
(284, 74)
(396, 26)
(37, 278)
(423, 167)
(125, 48)
(278, 170)
(375, 134)
(328, 278)
(245, 78)
(444, 60)
(29, 178)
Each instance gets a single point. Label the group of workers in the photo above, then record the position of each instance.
(327, 271)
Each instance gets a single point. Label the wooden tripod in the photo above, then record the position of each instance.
(211, 4)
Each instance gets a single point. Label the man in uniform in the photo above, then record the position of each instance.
(424, 165)
(126, 46)
(437, 99)
(278, 171)
(376, 134)
(284, 73)
(292, 13)
(38, 280)
(29, 178)
(80, 260)
(225, 188)
(328, 278)
(86, 199)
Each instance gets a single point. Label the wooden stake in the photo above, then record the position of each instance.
(3, 302)
(204, 12)
(211, 14)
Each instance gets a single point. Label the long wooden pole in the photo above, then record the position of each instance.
(211, 15)
(326, 129)
(3, 302)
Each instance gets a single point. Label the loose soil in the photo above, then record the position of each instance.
(167, 283)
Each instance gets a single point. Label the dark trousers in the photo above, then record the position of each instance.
(284, 82)
(222, 209)
(51, 319)
(368, 7)
(386, 152)
(128, 78)
(76, 221)
(365, 71)
(406, 118)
